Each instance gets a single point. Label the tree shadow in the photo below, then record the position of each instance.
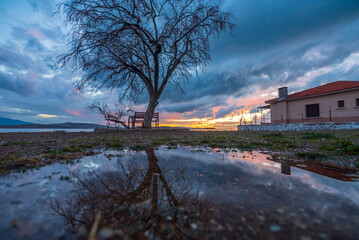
(133, 202)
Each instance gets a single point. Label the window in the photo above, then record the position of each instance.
(357, 102)
(341, 104)
(312, 110)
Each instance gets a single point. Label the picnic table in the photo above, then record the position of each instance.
(140, 117)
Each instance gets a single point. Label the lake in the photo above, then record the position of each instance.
(196, 193)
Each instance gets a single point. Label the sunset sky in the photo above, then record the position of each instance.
(294, 43)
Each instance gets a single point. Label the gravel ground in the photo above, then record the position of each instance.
(21, 151)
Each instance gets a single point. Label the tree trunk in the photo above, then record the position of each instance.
(149, 112)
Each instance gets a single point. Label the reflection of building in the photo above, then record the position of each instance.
(332, 102)
(348, 175)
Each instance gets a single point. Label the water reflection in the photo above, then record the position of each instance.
(188, 192)
(348, 175)
(136, 202)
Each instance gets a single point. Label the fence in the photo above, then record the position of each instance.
(301, 117)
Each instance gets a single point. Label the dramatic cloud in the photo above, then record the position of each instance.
(297, 43)
(224, 111)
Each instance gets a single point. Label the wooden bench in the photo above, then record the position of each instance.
(116, 120)
(140, 117)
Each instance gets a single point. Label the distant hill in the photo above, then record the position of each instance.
(11, 123)
(8, 121)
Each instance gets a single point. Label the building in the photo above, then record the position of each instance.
(332, 102)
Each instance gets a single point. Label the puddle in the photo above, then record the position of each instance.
(183, 193)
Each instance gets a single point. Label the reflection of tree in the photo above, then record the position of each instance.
(143, 204)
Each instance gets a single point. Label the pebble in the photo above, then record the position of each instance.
(275, 228)
(193, 226)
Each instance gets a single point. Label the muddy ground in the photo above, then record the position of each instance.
(23, 151)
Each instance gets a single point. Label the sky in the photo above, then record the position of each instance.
(275, 43)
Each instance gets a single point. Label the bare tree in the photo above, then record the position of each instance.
(138, 45)
(118, 112)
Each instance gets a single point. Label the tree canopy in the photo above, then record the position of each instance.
(140, 45)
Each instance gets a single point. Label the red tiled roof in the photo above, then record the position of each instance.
(326, 88)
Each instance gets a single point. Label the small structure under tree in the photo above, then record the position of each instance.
(140, 45)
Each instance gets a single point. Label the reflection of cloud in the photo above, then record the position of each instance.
(92, 165)
(313, 182)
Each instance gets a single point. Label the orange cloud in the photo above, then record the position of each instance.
(74, 112)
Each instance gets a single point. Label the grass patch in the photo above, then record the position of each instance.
(71, 149)
(172, 147)
(342, 146)
(314, 135)
(137, 147)
(115, 145)
(18, 143)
